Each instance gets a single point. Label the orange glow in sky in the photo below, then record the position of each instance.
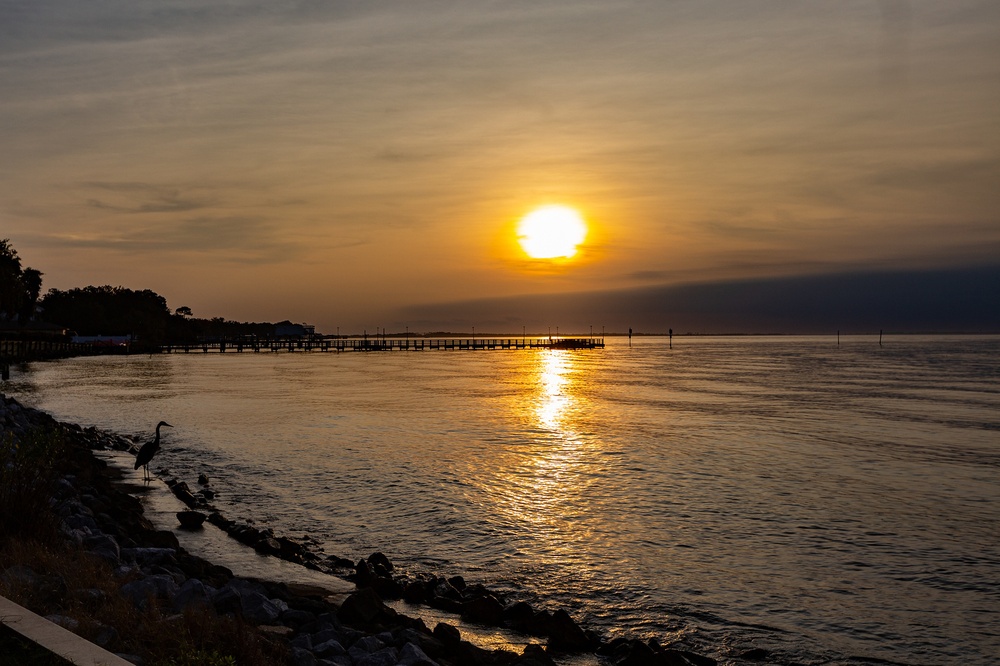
(341, 164)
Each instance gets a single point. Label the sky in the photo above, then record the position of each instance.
(363, 164)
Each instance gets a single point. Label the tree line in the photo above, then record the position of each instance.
(104, 310)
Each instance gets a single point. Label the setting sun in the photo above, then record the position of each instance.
(551, 232)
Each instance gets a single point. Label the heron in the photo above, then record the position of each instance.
(149, 450)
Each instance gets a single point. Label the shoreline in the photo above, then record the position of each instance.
(360, 630)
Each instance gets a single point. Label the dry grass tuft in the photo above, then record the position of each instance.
(82, 587)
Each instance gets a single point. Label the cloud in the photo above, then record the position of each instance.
(144, 198)
(945, 300)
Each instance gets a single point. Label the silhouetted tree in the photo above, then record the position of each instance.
(110, 311)
(19, 288)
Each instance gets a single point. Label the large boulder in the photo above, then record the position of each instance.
(362, 608)
(565, 635)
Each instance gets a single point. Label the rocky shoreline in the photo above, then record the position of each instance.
(98, 516)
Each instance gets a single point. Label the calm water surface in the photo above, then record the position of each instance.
(830, 504)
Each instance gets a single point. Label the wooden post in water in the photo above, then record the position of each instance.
(670, 333)
(838, 337)
(880, 337)
(630, 337)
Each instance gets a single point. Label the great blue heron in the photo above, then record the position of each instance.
(149, 450)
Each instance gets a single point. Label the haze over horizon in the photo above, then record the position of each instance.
(363, 164)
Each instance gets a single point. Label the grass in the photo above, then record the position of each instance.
(78, 585)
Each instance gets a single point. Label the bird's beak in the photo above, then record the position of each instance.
(168, 425)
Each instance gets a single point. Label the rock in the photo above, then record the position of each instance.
(145, 557)
(183, 493)
(363, 574)
(637, 653)
(192, 592)
(412, 655)
(361, 608)
(268, 546)
(565, 635)
(387, 588)
(302, 657)
(329, 648)
(103, 546)
(540, 624)
(415, 591)
(297, 618)
(258, 609)
(105, 636)
(387, 657)
(220, 521)
(457, 582)
(19, 575)
(191, 520)
(160, 539)
(227, 599)
(203, 479)
(339, 562)
(672, 657)
(141, 592)
(447, 634)
(63, 621)
(535, 655)
(518, 615)
(484, 610)
(379, 559)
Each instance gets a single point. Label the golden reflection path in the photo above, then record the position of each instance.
(545, 479)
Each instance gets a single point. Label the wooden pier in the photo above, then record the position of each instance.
(373, 344)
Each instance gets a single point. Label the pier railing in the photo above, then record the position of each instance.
(14, 351)
(381, 344)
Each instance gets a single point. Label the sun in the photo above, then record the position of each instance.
(551, 232)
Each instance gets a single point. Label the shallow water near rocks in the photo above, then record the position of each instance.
(822, 502)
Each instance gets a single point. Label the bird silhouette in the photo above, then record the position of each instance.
(149, 450)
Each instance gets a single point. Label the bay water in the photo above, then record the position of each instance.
(825, 502)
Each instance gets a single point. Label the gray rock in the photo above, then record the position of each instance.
(329, 648)
(104, 546)
(387, 657)
(19, 575)
(139, 592)
(302, 657)
(302, 641)
(297, 618)
(192, 592)
(227, 599)
(82, 523)
(368, 644)
(63, 621)
(105, 636)
(327, 635)
(412, 655)
(258, 609)
(145, 557)
(342, 660)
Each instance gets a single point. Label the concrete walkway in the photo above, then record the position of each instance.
(54, 638)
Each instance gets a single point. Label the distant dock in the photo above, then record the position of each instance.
(374, 344)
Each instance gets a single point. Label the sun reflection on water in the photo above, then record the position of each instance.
(544, 480)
